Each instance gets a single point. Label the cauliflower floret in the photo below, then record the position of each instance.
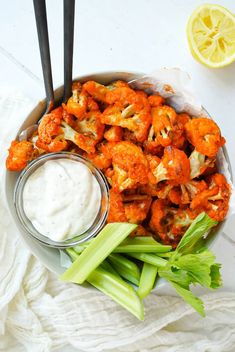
(91, 126)
(130, 117)
(140, 231)
(101, 158)
(199, 163)
(20, 153)
(107, 94)
(116, 207)
(113, 134)
(50, 133)
(169, 223)
(123, 95)
(204, 135)
(54, 132)
(153, 162)
(129, 209)
(214, 200)
(137, 210)
(167, 127)
(77, 103)
(156, 100)
(129, 165)
(96, 90)
(174, 167)
(130, 110)
(183, 194)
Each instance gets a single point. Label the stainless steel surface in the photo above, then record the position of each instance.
(68, 46)
(43, 40)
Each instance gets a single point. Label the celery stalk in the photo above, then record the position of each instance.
(125, 268)
(119, 290)
(164, 255)
(137, 244)
(114, 287)
(149, 258)
(105, 264)
(142, 245)
(147, 279)
(73, 255)
(108, 267)
(99, 249)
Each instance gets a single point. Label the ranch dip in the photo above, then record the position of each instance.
(62, 199)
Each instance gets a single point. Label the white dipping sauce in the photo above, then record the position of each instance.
(62, 199)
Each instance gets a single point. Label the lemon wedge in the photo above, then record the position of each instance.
(211, 35)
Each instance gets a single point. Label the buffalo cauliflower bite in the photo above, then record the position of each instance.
(117, 90)
(153, 162)
(214, 200)
(129, 109)
(122, 95)
(54, 132)
(77, 103)
(169, 223)
(91, 126)
(101, 158)
(156, 100)
(204, 135)
(140, 231)
(174, 167)
(113, 134)
(70, 119)
(96, 90)
(131, 117)
(51, 136)
(109, 172)
(86, 133)
(80, 102)
(129, 165)
(134, 211)
(137, 210)
(199, 163)
(20, 153)
(116, 207)
(176, 194)
(167, 127)
(184, 194)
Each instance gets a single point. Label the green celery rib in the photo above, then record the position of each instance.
(73, 255)
(194, 233)
(147, 279)
(125, 268)
(137, 244)
(114, 287)
(105, 264)
(108, 267)
(164, 255)
(142, 245)
(99, 249)
(149, 258)
(119, 290)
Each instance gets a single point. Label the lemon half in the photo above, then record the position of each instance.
(211, 35)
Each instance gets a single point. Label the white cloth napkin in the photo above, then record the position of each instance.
(40, 313)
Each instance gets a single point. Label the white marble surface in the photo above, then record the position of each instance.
(136, 35)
